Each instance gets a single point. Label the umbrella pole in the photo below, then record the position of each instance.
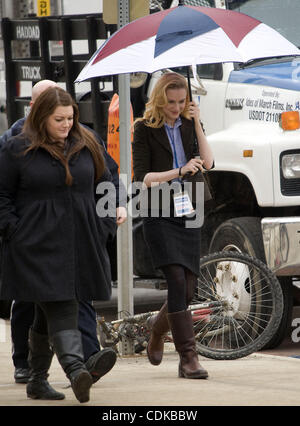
(196, 147)
(189, 81)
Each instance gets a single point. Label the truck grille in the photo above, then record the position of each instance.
(289, 187)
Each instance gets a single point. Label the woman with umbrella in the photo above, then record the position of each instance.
(163, 150)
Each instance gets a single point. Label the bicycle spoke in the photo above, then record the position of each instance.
(245, 291)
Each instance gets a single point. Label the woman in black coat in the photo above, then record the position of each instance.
(163, 149)
(54, 243)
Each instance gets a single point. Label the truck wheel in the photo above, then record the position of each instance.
(244, 235)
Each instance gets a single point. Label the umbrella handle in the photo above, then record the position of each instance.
(189, 82)
(196, 147)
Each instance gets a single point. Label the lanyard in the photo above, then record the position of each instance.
(172, 140)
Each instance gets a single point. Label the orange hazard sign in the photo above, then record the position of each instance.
(113, 139)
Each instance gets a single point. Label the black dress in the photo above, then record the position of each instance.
(169, 239)
(171, 242)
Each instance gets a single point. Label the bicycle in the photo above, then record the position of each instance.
(236, 309)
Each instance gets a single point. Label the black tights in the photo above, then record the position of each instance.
(181, 286)
(51, 317)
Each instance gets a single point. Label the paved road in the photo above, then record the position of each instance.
(256, 380)
(135, 387)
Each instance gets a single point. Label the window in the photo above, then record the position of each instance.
(283, 16)
(210, 71)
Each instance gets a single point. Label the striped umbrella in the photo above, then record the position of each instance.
(182, 36)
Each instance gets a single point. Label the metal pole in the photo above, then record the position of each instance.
(124, 236)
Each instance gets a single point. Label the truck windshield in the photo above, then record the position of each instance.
(283, 16)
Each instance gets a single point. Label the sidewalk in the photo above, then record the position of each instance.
(258, 379)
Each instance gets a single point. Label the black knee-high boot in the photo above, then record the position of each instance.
(67, 345)
(40, 357)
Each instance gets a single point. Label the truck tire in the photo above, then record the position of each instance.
(244, 235)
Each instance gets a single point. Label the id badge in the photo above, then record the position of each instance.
(182, 204)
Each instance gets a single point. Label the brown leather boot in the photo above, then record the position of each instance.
(181, 324)
(159, 326)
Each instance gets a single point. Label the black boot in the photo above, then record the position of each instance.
(40, 357)
(101, 363)
(67, 345)
(159, 326)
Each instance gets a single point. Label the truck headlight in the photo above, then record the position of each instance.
(291, 166)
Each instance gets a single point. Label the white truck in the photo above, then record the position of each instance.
(256, 179)
(257, 174)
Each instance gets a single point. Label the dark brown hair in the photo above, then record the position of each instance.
(35, 129)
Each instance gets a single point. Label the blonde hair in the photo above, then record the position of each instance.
(154, 115)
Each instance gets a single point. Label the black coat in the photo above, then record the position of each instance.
(152, 152)
(121, 195)
(54, 244)
(151, 149)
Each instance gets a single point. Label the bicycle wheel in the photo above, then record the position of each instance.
(243, 305)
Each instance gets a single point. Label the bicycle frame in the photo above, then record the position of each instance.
(241, 309)
(201, 312)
